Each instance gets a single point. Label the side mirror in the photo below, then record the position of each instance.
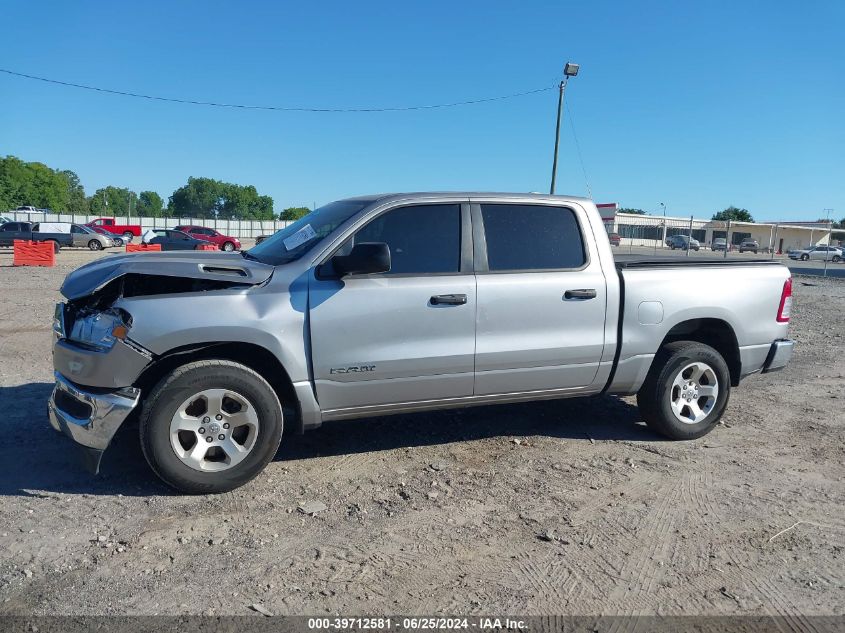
(364, 259)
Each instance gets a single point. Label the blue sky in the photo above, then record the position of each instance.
(698, 105)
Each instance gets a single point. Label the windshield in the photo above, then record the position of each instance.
(293, 241)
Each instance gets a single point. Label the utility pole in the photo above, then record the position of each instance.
(689, 238)
(829, 239)
(569, 70)
(663, 239)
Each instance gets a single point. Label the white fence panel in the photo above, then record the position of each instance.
(242, 229)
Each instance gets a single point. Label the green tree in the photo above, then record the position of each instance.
(291, 214)
(634, 211)
(77, 202)
(150, 204)
(37, 185)
(200, 198)
(209, 198)
(734, 214)
(113, 202)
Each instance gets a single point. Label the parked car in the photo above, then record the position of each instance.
(749, 245)
(118, 240)
(11, 231)
(684, 242)
(172, 240)
(821, 253)
(614, 238)
(719, 244)
(398, 303)
(223, 242)
(30, 209)
(110, 224)
(261, 238)
(86, 236)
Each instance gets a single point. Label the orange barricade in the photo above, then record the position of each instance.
(206, 247)
(133, 248)
(29, 253)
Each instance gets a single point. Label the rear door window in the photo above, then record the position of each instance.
(536, 237)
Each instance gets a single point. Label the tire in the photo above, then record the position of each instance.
(128, 235)
(658, 399)
(836, 259)
(94, 245)
(56, 246)
(228, 247)
(805, 257)
(178, 401)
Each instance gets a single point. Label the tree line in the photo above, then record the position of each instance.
(59, 190)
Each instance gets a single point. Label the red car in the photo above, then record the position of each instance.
(614, 238)
(224, 242)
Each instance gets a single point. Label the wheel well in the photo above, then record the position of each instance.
(253, 356)
(713, 332)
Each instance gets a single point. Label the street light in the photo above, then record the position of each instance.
(569, 70)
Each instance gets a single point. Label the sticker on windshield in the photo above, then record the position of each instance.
(300, 237)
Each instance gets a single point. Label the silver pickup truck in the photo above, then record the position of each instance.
(395, 303)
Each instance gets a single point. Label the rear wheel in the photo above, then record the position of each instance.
(837, 258)
(56, 246)
(805, 257)
(128, 235)
(686, 390)
(95, 245)
(210, 426)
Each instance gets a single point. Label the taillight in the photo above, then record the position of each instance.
(785, 302)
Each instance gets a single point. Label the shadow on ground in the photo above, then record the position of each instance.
(37, 460)
(597, 418)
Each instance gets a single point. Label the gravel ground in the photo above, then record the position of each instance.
(557, 507)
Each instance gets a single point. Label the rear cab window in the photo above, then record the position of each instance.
(532, 237)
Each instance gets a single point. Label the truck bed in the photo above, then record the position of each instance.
(670, 261)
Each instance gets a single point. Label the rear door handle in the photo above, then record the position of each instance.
(581, 293)
(449, 300)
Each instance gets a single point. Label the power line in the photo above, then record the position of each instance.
(276, 108)
(578, 149)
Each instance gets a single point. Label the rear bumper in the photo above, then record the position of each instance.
(89, 418)
(779, 355)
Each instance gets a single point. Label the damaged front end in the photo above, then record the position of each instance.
(95, 358)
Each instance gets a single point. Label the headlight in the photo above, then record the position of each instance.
(101, 329)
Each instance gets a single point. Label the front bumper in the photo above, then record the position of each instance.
(90, 418)
(779, 355)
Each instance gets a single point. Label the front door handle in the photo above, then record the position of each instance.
(448, 300)
(581, 293)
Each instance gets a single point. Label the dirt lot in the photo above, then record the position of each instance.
(559, 507)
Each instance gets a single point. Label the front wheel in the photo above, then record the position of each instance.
(210, 426)
(228, 247)
(805, 257)
(836, 258)
(128, 235)
(94, 245)
(686, 390)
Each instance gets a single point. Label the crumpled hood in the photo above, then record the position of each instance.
(188, 264)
